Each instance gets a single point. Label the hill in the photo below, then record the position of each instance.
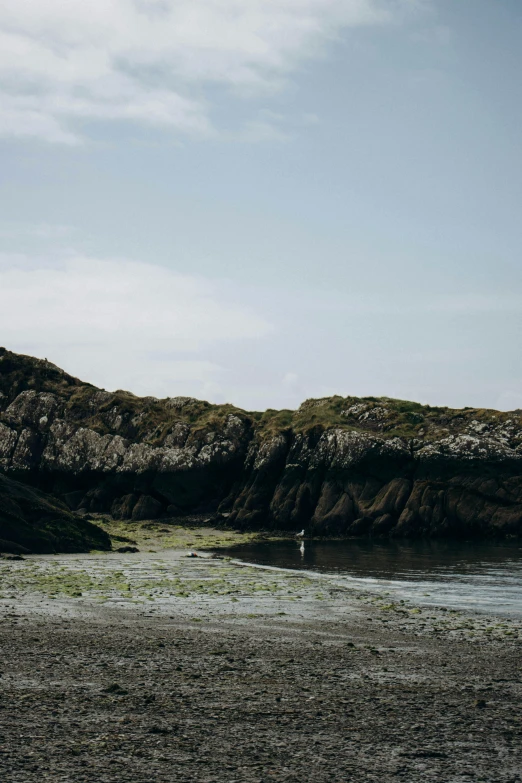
(338, 465)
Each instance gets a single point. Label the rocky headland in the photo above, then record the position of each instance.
(337, 466)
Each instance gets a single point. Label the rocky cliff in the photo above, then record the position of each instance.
(339, 465)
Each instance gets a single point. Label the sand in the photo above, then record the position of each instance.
(155, 667)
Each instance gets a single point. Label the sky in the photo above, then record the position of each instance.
(263, 201)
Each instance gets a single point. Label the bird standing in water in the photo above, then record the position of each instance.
(301, 534)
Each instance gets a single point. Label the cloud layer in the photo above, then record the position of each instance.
(146, 328)
(124, 323)
(150, 61)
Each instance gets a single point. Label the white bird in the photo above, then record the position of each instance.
(301, 534)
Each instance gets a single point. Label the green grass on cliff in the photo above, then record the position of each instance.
(384, 416)
(20, 373)
(151, 420)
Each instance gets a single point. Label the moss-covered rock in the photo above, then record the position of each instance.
(33, 522)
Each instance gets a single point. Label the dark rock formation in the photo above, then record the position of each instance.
(122, 508)
(338, 465)
(146, 508)
(33, 522)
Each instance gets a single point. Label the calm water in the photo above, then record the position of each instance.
(481, 577)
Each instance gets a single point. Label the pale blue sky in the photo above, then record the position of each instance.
(268, 202)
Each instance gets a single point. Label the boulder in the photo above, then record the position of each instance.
(147, 507)
(122, 508)
(74, 499)
(97, 500)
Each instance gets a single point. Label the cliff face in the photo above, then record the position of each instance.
(337, 465)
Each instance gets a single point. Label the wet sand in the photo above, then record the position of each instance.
(158, 667)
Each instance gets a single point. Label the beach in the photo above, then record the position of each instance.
(155, 666)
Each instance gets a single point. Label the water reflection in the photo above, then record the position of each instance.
(486, 577)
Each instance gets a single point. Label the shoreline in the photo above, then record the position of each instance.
(155, 666)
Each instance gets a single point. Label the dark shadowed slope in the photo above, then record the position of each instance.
(33, 522)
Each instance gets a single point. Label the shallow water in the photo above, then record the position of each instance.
(456, 575)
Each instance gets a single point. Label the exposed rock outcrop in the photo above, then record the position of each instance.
(33, 522)
(337, 465)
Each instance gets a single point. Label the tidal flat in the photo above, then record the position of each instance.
(154, 666)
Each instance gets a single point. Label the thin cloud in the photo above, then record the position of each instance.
(510, 400)
(149, 61)
(46, 231)
(470, 303)
(262, 130)
(124, 323)
(425, 303)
